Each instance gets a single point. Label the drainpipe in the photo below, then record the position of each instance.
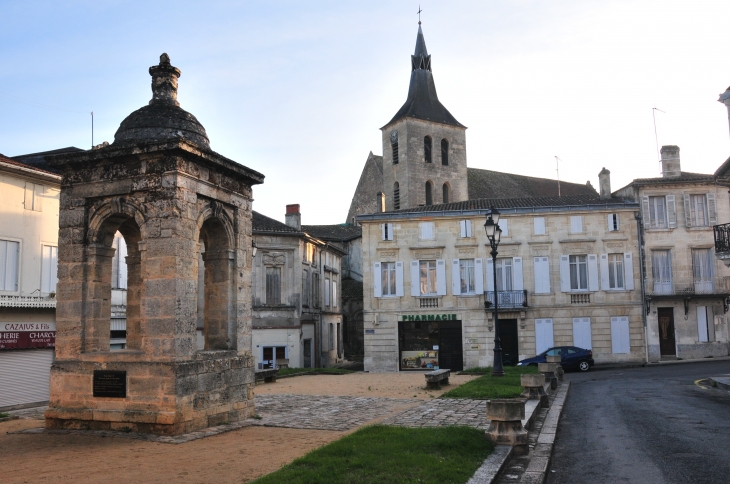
(640, 232)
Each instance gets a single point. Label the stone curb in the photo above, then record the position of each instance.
(720, 382)
(536, 471)
(492, 465)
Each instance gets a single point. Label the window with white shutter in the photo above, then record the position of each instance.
(620, 339)
(428, 277)
(504, 225)
(657, 207)
(542, 275)
(49, 266)
(426, 230)
(518, 281)
(543, 335)
(539, 225)
(33, 196)
(576, 224)
(582, 333)
(702, 324)
(399, 278)
(441, 277)
(9, 256)
(613, 222)
(465, 228)
(386, 231)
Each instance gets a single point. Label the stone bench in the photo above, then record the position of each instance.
(268, 375)
(436, 378)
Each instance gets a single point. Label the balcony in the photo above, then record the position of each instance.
(722, 243)
(688, 287)
(506, 299)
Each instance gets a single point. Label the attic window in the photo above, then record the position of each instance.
(427, 150)
(444, 152)
(394, 147)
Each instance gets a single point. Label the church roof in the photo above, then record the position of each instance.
(422, 101)
(492, 184)
(517, 203)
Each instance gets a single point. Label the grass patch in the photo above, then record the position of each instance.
(313, 371)
(479, 370)
(383, 455)
(4, 415)
(487, 386)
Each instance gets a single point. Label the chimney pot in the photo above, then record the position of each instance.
(604, 184)
(670, 161)
(293, 218)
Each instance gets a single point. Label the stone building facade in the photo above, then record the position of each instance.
(297, 298)
(29, 198)
(686, 289)
(568, 275)
(162, 187)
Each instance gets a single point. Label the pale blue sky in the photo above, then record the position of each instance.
(299, 90)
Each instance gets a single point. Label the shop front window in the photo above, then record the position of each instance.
(419, 345)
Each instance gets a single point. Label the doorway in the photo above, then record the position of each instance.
(508, 341)
(667, 345)
(451, 353)
(307, 353)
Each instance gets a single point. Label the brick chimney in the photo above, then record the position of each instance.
(604, 184)
(670, 161)
(293, 217)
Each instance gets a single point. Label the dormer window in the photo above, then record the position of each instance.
(427, 150)
(444, 152)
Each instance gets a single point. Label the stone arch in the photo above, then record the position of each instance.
(127, 217)
(216, 237)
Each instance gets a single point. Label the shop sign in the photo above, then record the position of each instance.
(429, 317)
(15, 336)
(369, 331)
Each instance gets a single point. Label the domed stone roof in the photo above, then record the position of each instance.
(163, 119)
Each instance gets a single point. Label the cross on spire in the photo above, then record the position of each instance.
(419, 15)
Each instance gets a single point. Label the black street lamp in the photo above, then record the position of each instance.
(491, 227)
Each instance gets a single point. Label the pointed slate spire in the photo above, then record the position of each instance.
(420, 58)
(422, 102)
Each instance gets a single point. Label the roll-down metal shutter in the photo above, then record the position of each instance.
(24, 376)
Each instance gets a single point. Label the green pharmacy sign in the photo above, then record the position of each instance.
(429, 317)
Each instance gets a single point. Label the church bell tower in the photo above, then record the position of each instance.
(424, 146)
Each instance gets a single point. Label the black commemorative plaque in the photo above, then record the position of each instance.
(110, 383)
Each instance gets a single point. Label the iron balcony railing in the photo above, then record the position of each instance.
(722, 238)
(687, 286)
(507, 299)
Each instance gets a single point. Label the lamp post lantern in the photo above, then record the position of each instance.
(491, 227)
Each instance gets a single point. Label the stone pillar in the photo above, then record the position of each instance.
(559, 372)
(505, 422)
(534, 385)
(548, 370)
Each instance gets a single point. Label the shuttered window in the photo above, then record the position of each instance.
(576, 224)
(386, 231)
(273, 285)
(428, 277)
(542, 275)
(620, 340)
(466, 276)
(543, 335)
(49, 266)
(33, 196)
(9, 254)
(582, 333)
(613, 222)
(657, 213)
(578, 272)
(465, 228)
(539, 225)
(426, 230)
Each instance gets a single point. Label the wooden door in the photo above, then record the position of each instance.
(508, 341)
(667, 345)
(451, 352)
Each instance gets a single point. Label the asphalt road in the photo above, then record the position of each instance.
(644, 425)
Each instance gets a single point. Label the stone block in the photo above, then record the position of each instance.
(506, 409)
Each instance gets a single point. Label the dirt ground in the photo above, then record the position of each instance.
(233, 457)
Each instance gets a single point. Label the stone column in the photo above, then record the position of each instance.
(534, 385)
(505, 422)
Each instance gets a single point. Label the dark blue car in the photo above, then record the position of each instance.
(571, 358)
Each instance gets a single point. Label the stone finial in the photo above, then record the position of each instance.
(164, 82)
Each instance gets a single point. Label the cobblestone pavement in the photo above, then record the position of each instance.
(325, 412)
(443, 412)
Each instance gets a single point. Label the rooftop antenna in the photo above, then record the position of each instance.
(557, 170)
(92, 130)
(419, 15)
(656, 139)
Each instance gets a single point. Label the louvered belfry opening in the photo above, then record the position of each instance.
(396, 196)
(445, 152)
(394, 147)
(429, 193)
(427, 149)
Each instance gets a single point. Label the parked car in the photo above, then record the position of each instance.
(571, 358)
